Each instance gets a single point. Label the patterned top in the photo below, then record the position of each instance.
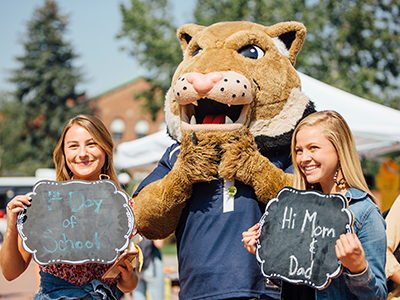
(81, 274)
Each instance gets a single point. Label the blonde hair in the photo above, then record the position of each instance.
(101, 136)
(336, 130)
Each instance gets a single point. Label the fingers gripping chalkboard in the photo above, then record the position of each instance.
(298, 234)
(76, 222)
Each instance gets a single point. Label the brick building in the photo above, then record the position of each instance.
(123, 115)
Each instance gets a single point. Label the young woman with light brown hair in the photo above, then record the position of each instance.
(84, 152)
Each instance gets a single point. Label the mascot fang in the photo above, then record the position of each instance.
(234, 102)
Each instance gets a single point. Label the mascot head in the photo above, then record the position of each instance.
(235, 75)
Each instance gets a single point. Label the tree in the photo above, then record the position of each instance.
(353, 45)
(147, 24)
(45, 96)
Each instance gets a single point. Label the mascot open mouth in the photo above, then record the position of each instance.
(217, 101)
(205, 111)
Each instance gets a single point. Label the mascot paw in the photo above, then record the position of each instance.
(198, 159)
(240, 156)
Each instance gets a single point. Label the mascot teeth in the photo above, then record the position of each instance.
(228, 120)
(208, 111)
(230, 88)
(193, 120)
(216, 98)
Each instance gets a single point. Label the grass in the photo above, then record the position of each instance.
(169, 249)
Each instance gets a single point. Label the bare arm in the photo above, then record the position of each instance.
(393, 239)
(395, 277)
(13, 258)
(158, 243)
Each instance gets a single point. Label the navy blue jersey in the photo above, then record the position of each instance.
(213, 263)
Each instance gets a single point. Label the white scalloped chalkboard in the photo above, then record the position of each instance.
(76, 222)
(298, 234)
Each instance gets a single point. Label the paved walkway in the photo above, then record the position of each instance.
(22, 288)
(25, 286)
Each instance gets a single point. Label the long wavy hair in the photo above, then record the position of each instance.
(101, 136)
(336, 130)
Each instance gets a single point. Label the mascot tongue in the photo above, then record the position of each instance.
(213, 119)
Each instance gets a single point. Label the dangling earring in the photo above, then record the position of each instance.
(340, 183)
(104, 177)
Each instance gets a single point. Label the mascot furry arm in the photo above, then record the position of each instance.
(234, 103)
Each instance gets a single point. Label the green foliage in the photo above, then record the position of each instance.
(153, 106)
(208, 12)
(356, 48)
(353, 45)
(45, 96)
(170, 247)
(147, 25)
(370, 167)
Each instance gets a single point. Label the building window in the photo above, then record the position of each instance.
(117, 129)
(142, 128)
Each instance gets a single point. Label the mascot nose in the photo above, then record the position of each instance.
(204, 83)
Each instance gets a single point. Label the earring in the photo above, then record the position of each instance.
(104, 177)
(340, 183)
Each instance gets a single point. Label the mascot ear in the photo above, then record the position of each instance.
(186, 32)
(292, 34)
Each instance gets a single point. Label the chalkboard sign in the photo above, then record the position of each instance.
(76, 222)
(298, 234)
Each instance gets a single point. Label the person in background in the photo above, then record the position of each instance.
(393, 251)
(85, 152)
(325, 159)
(388, 182)
(151, 278)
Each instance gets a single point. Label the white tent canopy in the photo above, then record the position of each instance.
(376, 128)
(143, 152)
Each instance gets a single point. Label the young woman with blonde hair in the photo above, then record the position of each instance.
(325, 159)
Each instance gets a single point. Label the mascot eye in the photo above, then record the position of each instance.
(197, 51)
(252, 51)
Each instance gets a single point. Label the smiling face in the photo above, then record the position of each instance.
(316, 157)
(84, 157)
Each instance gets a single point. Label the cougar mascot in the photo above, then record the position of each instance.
(232, 107)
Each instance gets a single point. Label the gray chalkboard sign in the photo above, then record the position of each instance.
(298, 234)
(76, 222)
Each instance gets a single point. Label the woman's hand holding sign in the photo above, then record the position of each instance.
(351, 253)
(11, 248)
(129, 277)
(250, 238)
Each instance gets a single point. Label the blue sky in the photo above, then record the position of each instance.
(93, 25)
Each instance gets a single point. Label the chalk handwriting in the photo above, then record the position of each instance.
(67, 244)
(288, 222)
(77, 199)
